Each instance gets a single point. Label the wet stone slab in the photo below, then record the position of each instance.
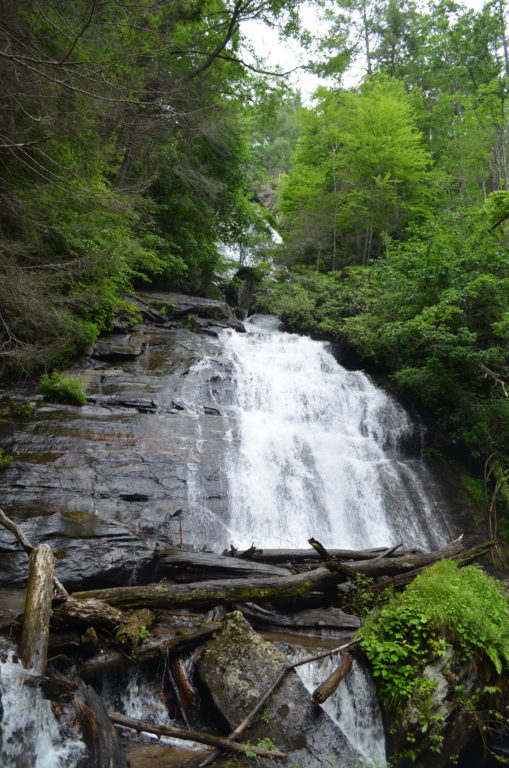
(149, 442)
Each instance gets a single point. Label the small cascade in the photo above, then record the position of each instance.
(354, 707)
(30, 734)
(141, 695)
(316, 450)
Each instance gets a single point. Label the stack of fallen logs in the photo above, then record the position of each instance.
(103, 630)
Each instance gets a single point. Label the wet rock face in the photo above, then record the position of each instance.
(89, 552)
(238, 666)
(102, 483)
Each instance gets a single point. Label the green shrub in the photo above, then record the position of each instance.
(443, 607)
(62, 389)
(5, 459)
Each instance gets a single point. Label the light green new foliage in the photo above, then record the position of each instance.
(445, 606)
(62, 389)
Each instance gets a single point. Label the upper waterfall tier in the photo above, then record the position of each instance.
(316, 450)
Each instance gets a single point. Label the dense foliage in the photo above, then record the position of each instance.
(433, 312)
(445, 606)
(122, 155)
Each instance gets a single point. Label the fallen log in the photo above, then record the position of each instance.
(209, 594)
(173, 643)
(462, 558)
(92, 612)
(327, 688)
(331, 618)
(194, 566)
(276, 556)
(386, 566)
(187, 735)
(33, 645)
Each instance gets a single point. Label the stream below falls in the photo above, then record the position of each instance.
(259, 437)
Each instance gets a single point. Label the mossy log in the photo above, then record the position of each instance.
(152, 648)
(33, 646)
(209, 594)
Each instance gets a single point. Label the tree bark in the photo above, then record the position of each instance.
(33, 647)
(210, 594)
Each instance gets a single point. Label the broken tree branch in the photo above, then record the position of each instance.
(188, 735)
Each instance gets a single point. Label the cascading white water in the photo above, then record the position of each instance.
(354, 706)
(316, 451)
(138, 694)
(30, 734)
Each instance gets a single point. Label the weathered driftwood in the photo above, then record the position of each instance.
(390, 566)
(462, 558)
(210, 593)
(91, 612)
(33, 645)
(150, 649)
(195, 566)
(284, 556)
(26, 544)
(188, 735)
(327, 688)
(331, 618)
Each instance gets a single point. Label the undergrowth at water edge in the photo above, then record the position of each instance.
(62, 389)
(444, 607)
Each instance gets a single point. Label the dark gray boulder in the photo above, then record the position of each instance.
(238, 666)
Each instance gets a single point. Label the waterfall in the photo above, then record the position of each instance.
(30, 734)
(354, 706)
(316, 450)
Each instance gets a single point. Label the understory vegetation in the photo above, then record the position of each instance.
(448, 625)
(444, 607)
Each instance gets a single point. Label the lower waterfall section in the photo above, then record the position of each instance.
(316, 450)
(354, 707)
(30, 734)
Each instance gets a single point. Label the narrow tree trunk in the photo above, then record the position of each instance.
(33, 647)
